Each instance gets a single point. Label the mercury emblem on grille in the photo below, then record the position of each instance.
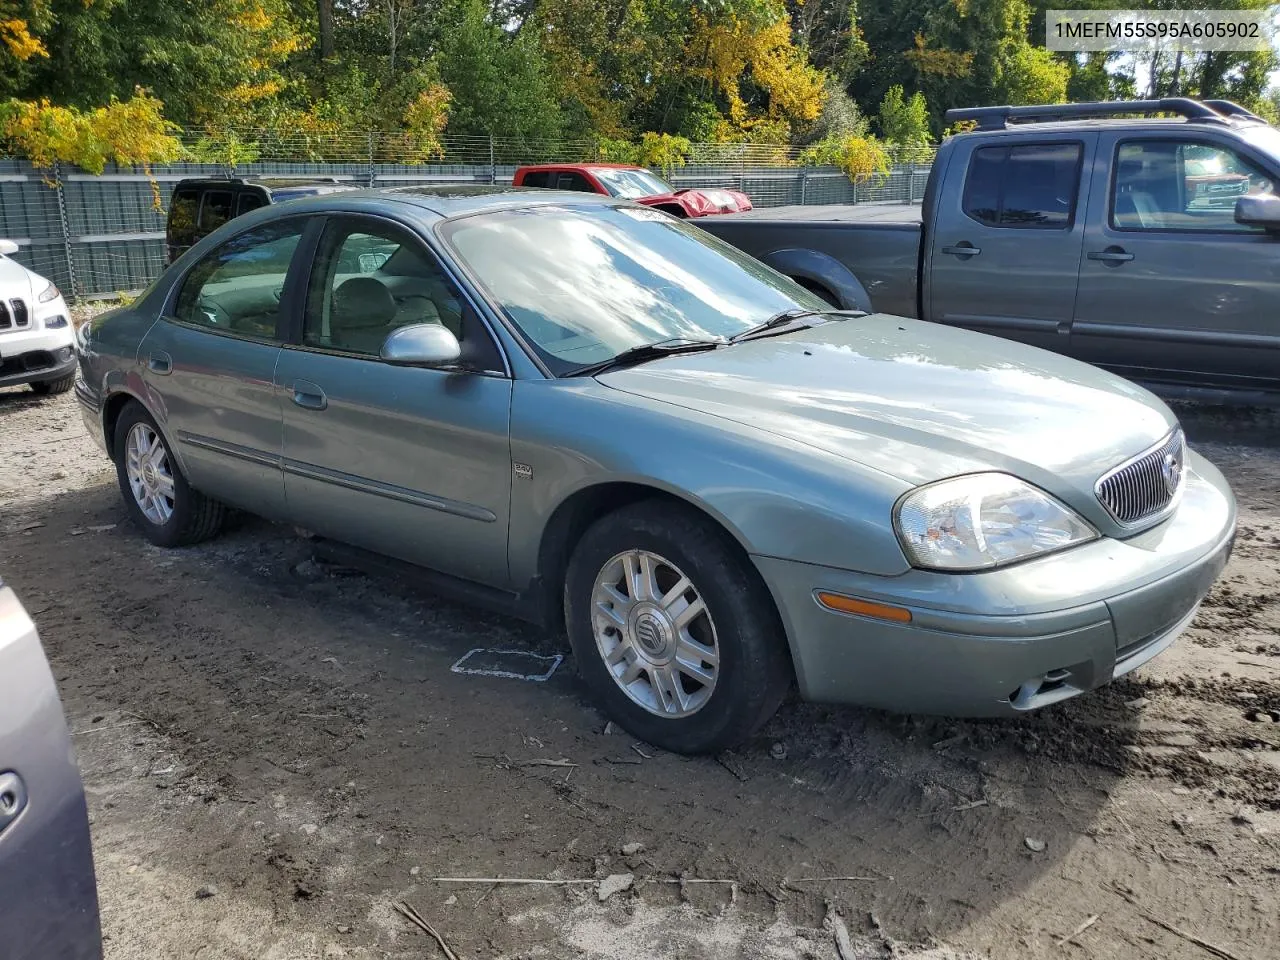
(1171, 470)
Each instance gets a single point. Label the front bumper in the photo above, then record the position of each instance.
(1003, 641)
(31, 365)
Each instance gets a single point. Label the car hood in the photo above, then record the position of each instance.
(919, 401)
(702, 203)
(15, 280)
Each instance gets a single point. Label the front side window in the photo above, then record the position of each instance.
(1032, 185)
(249, 201)
(371, 278)
(216, 210)
(1182, 185)
(238, 287)
(633, 184)
(584, 283)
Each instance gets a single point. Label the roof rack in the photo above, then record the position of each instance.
(998, 118)
(1230, 109)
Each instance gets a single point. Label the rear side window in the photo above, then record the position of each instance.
(574, 181)
(216, 210)
(538, 178)
(238, 287)
(183, 208)
(1032, 185)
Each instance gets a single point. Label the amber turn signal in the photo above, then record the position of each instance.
(864, 608)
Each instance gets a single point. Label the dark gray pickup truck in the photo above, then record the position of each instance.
(1146, 244)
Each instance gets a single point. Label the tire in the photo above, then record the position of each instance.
(186, 517)
(45, 387)
(751, 672)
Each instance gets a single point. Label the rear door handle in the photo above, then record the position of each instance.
(309, 395)
(1112, 255)
(13, 798)
(160, 362)
(964, 249)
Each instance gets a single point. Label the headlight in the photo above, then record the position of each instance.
(984, 520)
(51, 292)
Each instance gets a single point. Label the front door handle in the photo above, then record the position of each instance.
(1112, 256)
(308, 395)
(160, 362)
(13, 798)
(964, 250)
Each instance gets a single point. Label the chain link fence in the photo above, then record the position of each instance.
(98, 235)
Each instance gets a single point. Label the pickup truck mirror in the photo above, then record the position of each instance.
(1259, 211)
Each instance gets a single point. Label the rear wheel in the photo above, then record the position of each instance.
(673, 630)
(44, 387)
(161, 502)
(820, 291)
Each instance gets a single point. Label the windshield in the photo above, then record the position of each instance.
(1264, 138)
(631, 184)
(584, 283)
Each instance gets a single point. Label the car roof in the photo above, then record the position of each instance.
(583, 166)
(456, 200)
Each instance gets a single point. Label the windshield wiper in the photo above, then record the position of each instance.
(646, 352)
(787, 317)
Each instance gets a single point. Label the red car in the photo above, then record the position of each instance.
(632, 183)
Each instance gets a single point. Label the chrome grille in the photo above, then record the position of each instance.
(1146, 485)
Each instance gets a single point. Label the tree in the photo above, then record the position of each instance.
(499, 83)
(904, 122)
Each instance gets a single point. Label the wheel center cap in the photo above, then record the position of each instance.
(653, 632)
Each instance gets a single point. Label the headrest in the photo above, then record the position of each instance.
(363, 302)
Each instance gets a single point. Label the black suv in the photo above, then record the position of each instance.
(200, 206)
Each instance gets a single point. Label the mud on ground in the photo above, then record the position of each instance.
(276, 752)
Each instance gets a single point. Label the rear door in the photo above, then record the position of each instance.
(1172, 289)
(48, 895)
(410, 462)
(1005, 245)
(210, 362)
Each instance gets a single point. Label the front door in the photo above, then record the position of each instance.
(410, 462)
(1005, 247)
(210, 362)
(1172, 289)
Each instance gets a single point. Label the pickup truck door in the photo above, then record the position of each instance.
(1172, 289)
(1004, 249)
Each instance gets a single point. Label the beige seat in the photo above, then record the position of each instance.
(363, 313)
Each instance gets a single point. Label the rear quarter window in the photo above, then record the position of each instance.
(183, 207)
(215, 210)
(535, 178)
(1028, 186)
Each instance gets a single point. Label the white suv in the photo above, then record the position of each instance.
(37, 340)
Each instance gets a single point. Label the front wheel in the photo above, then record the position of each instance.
(673, 630)
(161, 502)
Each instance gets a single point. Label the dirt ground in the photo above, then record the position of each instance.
(276, 752)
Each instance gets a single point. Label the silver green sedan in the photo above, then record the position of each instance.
(603, 420)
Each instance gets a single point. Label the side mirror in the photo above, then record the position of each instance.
(421, 345)
(7, 247)
(1260, 211)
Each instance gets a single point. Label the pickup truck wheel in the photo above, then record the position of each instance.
(45, 387)
(672, 629)
(161, 502)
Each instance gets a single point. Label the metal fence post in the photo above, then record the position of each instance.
(911, 182)
(372, 176)
(66, 232)
(493, 166)
(804, 187)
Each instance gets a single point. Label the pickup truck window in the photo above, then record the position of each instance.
(537, 178)
(1031, 185)
(1182, 185)
(574, 181)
